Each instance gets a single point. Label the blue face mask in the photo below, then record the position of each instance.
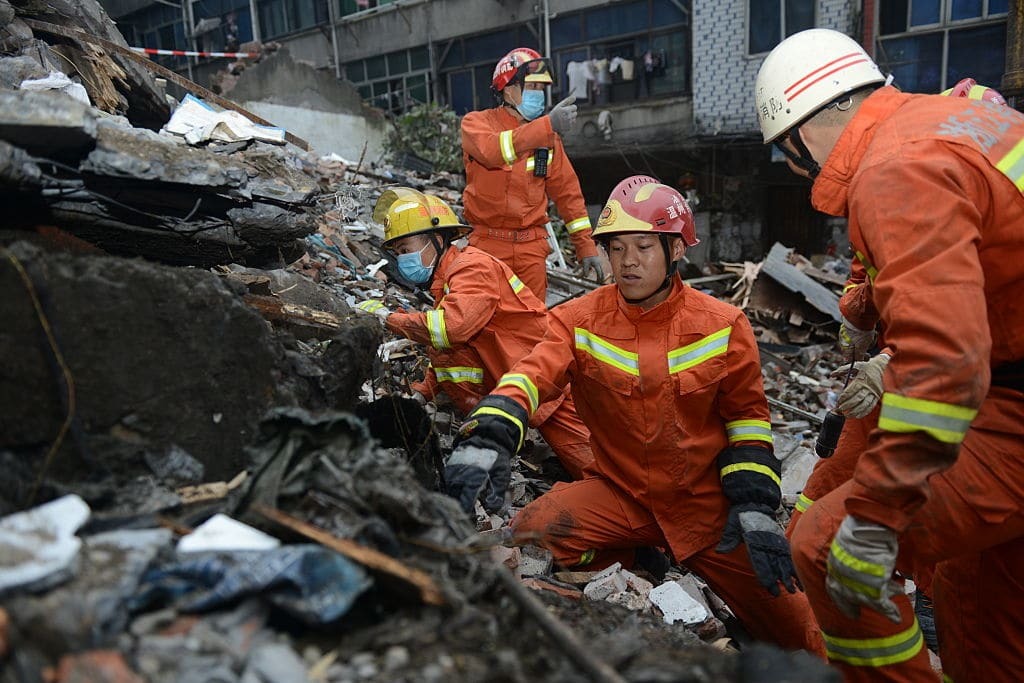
(532, 105)
(412, 269)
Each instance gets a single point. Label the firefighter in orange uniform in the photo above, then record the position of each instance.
(485, 318)
(669, 382)
(515, 161)
(931, 187)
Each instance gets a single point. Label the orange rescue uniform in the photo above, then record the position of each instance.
(484, 321)
(663, 391)
(507, 204)
(932, 189)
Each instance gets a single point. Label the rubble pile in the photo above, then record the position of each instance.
(218, 453)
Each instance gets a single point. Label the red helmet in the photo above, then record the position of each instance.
(969, 88)
(520, 65)
(642, 204)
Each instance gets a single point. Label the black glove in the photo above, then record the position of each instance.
(755, 525)
(480, 460)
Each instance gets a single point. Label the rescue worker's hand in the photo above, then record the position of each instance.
(593, 263)
(862, 393)
(563, 115)
(860, 566)
(480, 460)
(855, 340)
(766, 542)
(374, 306)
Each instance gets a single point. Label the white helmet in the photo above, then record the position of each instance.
(804, 73)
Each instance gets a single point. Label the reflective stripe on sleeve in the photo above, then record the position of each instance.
(872, 271)
(523, 382)
(578, 224)
(750, 467)
(508, 150)
(748, 430)
(802, 503)
(517, 284)
(459, 374)
(1012, 165)
(438, 330)
(696, 353)
(588, 342)
(876, 651)
(944, 422)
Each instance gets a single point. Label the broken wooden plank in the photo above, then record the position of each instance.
(789, 276)
(372, 559)
(275, 310)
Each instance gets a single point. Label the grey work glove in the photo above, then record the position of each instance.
(861, 561)
(766, 542)
(853, 339)
(593, 263)
(863, 392)
(563, 115)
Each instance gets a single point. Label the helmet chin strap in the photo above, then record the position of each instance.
(670, 268)
(804, 161)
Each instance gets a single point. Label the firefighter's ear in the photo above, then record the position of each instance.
(678, 249)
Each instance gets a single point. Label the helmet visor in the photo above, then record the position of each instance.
(534, 71)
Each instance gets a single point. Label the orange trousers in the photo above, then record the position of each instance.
(595, 524)
(527, 259)
(568, 437)
(972, 531)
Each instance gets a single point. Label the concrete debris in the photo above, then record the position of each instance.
(677, 605)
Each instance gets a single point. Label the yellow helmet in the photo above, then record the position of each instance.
(404, 211)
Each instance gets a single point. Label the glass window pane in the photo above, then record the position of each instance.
(453, 56)
(799, 16)
(398, 63)
(375, 67)
(354, 71)
(417, 88)
(924, 12)
(490, 47)
(997, 6)
(364, 91)
(460, 91)
(892, 17)
(765, 25)
(915, 62)
(615, 20)
(666, 12)
(978, 53)
(965, 9)
(419, 58)
(482, 76)
(567, 30)
(673, 77)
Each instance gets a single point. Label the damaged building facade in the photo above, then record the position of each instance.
(663, 85)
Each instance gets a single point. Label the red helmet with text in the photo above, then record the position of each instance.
(521, 65)
(969, 88)
(642, 204)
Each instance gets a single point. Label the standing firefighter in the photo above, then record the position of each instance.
(484, 321)
(514, 162)
(668, 381)
(931, 186)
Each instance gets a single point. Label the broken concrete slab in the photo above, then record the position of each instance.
(47, 124)
(777, 267)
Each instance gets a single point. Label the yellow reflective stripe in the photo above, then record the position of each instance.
(488, 410)
(872, 271)
(976, 92)
(447, 288)
(508, 150)
(578, 224)
(944, 422)
(511, 379)
(530, 163)
(460, 373)
(855, 563)
(517, 284)
(850, 286)
(876, 651)
(802, 503)
(438, 330)
(587, 557)
(749, 467)
(627, 361)
(1012, 165)
(748, 430)
(370, 306)
(946, 678)
(696, 353)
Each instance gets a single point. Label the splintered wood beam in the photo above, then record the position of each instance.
(372, 559)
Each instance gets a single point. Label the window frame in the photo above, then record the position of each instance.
(782, 25)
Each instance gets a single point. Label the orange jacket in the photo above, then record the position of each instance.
(502, 193)
(484, 321)
(930, 185)
(662, 391)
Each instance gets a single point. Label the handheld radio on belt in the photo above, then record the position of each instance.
(540, 162)
(832, 425)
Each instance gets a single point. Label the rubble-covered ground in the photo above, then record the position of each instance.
(213, 471)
